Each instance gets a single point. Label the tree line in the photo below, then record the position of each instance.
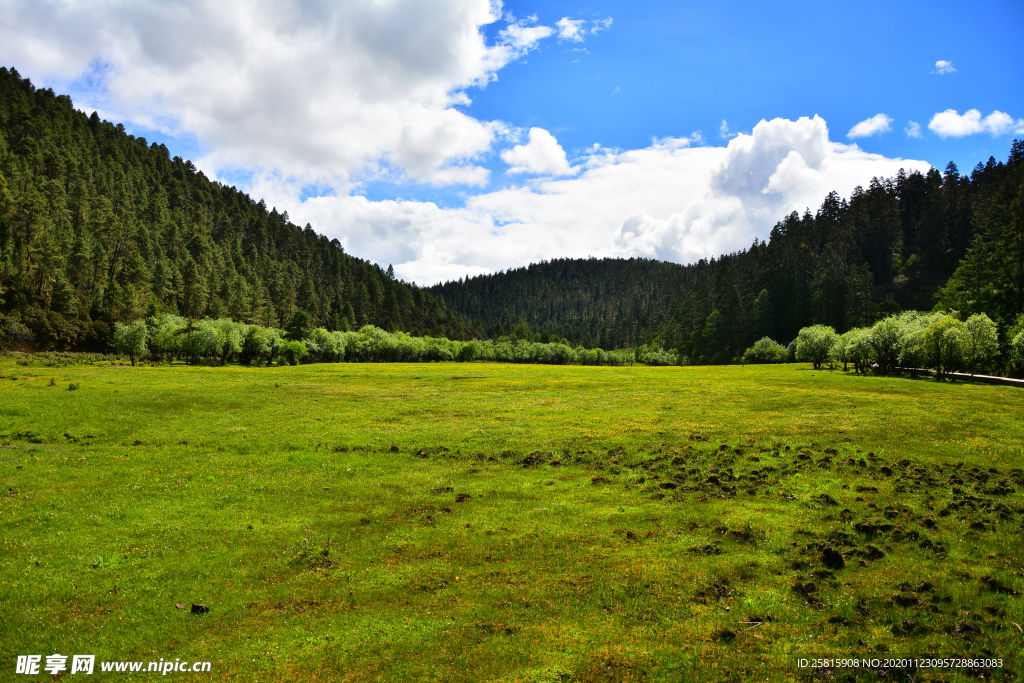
(910, 341)
(99, 227)
(170, 337)
(911, 242)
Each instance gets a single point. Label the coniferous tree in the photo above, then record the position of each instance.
(98, 227)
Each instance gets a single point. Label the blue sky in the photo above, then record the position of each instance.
(449, 138)
(666, 69)
(670, 68)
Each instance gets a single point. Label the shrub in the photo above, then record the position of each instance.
(258, 345)
(766, 350)
(1017, 353)
(130, 340)
(885, 338)
(1015, 347)
(13, 334)
(655, 355)
(326, 346)
(292, 352)
(980, 341)
(814, 343)
(165, 334)
(943, 344)
(912, 326)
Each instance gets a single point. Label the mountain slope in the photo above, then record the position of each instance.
(890, 246)
(98, 226)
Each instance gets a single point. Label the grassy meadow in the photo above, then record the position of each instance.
(488, 522)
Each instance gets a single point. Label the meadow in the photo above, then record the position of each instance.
(493, 522)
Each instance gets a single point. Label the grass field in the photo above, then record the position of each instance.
(489, 522)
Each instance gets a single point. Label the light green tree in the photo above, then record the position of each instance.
(130, 340)
(229, 335)
(1017, 351)
(912, 351)
(885, 339)
(766, 350)
(1015, 347)
(292, 352)
(980, 341)
(814, 343)
(853, 347)
(943, 344)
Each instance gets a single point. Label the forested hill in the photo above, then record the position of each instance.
(609, 303)
(98, 226)
(913, 241)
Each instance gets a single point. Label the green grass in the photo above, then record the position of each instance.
(621, 523)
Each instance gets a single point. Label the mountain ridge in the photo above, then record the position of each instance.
(98, 226)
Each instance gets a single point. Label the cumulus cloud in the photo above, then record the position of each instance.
(328, 93)
(570, 29)
(523, 35)
(319, 91)
(541, 155)
(877, 124)
(943, 66)
(675, 200)
(724, 132)
(950, 124)
(575, 29)
(913, 130)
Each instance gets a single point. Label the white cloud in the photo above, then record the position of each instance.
(331, 92)
(600, 25)
(522, 35)
(315, 91)
(575, 29)
(950, 124)
(913, 130)
(541, 155)
(723, 130)
(877, 124)
(570, 29)
(674, 200)
(943, 66)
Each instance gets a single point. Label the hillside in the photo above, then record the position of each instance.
(98, 226)
(610, 303)
(907, 242)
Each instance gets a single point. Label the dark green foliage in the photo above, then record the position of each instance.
(610, 303)
(990, 279)
(297, 328)
(888, 248)
(99, 227)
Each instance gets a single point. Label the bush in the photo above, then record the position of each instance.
(1017, 353)
(655, 355)
(259, 345)
(885, 338)
(130, 340)
(292, 352)
(814, 343)
(1015, 347)
(980, 342)
(165, 334)
(912, 325)
(766, 350)
(943, 344)
(13, 334)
